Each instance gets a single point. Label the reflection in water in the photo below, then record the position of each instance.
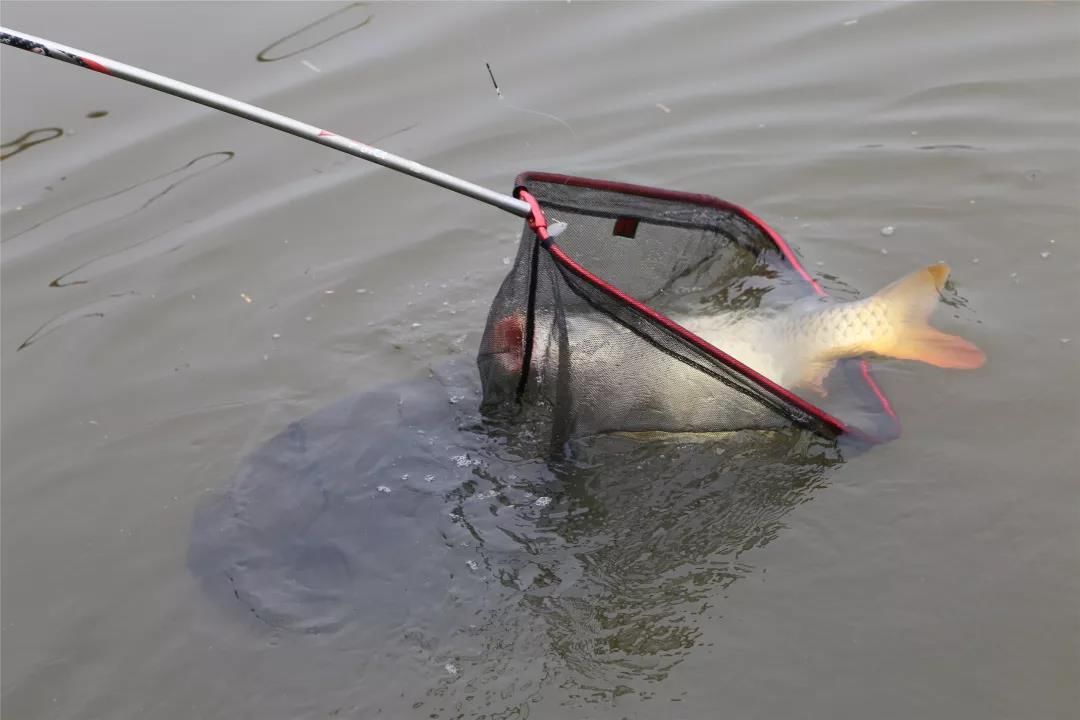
(612, 583)
(949, 147)
(662, 527)
(28, 140)
(402, 518)
(264, 54)
(837, 286)
(93, 310)
(58, 282)
(221, 157)
(945, 146)
(951, 296)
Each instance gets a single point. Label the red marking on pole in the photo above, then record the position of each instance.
(96, 66)
(325, 133)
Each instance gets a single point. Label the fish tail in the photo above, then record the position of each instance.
(907, 304)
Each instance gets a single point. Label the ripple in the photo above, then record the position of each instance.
(222, 155)
(263, 55)
(59, 322)
(28, 140)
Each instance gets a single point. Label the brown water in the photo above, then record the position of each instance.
(934, 577)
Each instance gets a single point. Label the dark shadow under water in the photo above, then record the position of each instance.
(402, 520)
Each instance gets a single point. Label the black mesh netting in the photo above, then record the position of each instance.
(590, 361)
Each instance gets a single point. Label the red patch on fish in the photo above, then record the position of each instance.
(508, 342)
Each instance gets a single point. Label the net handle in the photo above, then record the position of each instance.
(538, 224)
(105, 66)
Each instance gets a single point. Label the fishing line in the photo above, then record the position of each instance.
(524, 109)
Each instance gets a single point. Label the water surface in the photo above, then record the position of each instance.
(179, 285)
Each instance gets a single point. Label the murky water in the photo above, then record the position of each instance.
(179, 286)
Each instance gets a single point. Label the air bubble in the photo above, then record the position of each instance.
(464, 461)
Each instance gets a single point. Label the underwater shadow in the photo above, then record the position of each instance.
(403, 517)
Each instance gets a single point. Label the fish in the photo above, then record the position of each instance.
(796, 347)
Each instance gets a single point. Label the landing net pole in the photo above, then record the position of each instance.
(136, 75)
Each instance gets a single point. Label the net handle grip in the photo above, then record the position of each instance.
(535, 219)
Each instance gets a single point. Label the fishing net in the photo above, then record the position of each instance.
(579, 332)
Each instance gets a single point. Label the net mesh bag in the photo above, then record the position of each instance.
(578, 329)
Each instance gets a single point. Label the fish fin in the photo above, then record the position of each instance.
(814, 379)
(908, 303)
(940, 349)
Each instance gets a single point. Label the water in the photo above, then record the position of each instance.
(179, 286)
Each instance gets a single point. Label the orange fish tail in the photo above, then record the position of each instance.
(908, 304)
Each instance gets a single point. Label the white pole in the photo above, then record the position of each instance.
(264, 117)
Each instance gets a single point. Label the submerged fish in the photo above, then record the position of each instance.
(795, 347)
